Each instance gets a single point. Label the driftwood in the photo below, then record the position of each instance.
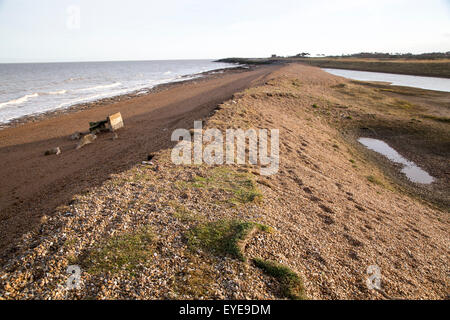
(98, 126)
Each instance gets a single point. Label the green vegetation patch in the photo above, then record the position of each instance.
(223, 237)
(291, 284)
(402, 104)
(182, 213)
(136, 175)
(242, 186)
(139, 176)
(123, 252)
(339, 86)
(374, 180)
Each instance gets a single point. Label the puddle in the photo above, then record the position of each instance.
(429, 83)
(410, 169)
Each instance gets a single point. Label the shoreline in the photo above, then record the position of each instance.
(36, 117)
(36, 184)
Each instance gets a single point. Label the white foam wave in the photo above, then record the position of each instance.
(19, 100)
(148, 85)
(57, 92)
(94, 97)
(113, 85)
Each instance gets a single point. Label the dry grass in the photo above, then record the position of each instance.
(290, 282)
(241, 187)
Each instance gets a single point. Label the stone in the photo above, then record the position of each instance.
(87, 139)
(76, 136)
(55, 151)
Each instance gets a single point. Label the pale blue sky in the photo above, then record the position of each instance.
(37, 31)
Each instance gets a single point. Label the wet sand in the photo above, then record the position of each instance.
(32, 184)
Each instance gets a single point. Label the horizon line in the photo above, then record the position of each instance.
(92, 61)
(181, 59)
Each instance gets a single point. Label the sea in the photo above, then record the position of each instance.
(35, 88)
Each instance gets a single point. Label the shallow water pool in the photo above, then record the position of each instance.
(429, 83)
(410, 169)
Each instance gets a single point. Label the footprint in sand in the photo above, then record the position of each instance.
(325, 208)
(307, 190)
(326, 219)
(352, 254)
(354, 242)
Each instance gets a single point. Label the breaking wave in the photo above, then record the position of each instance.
(19, 100)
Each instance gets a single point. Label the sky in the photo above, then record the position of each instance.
(99, 30)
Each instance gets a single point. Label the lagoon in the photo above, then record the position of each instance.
(428, 83)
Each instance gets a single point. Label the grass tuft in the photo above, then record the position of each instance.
(401, 104)
(241, 186)
(124, 252)
(374, 180)
(291, 284)
(182, 213)
(223, 237)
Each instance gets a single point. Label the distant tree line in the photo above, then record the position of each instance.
(377, 55)
(381, 55)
